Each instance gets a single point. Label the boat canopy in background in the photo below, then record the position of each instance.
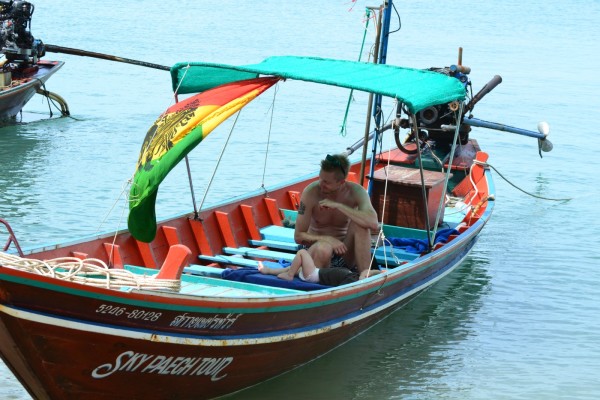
(174, 134)
(416, 88)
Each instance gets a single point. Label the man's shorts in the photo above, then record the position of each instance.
(337, 276)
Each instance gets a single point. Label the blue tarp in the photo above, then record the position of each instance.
(419, 246)
(252, 275)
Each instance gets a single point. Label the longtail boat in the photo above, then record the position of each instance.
(177, 308)
(22, 71)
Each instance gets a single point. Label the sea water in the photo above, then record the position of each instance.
(520, 319)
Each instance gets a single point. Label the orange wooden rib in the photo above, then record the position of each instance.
(273, 210)
(249, 221)
(294, 198)
(353, 177)
(171, 235)
(225, 227)
(146, 254)
(81, 256)
(114, 255)
(201, 238)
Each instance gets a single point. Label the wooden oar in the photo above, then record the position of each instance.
(77, 52)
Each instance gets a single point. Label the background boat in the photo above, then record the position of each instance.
(522, 319)
(20, 89)
(22, 72)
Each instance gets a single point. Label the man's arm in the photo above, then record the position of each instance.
(364, 215)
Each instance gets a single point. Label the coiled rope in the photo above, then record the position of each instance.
(90, 272)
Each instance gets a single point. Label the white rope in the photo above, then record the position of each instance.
(90, 272)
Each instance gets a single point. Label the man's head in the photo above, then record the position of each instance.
(334, 170)
(337, 163)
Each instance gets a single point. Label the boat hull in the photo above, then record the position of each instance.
(14, 97)
(65, 340)
(89, 349)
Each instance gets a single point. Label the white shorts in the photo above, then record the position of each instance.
(314, 277)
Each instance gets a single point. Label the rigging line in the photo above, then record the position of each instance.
(110, 256)
(362, 46)
(123, 190)
(219, 161)
(448, 172)
(381, 238)
(269, 136)
(399, 20)
(518, 188)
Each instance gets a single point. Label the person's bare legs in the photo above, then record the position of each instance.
(301, 260)
(321, 253)
(358, 242)
(263, 269)
(306, 263)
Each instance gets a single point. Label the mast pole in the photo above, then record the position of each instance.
(370, 106)
(385, 32)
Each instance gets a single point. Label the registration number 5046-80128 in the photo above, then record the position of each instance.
(131, 314)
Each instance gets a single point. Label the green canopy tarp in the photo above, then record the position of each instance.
(416, 88)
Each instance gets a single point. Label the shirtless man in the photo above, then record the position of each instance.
(335, 218)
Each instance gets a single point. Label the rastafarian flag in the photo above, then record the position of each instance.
(174, 134)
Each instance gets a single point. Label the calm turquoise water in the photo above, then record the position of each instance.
(520, 319)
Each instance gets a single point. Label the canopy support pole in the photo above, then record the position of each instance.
(189, 172)
(449, 171)
(415, 128)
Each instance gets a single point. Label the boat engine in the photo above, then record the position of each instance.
(16, 41)
(433, 119)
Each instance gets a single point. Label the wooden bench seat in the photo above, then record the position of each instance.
(259, 253)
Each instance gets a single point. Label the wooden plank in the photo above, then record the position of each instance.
(221, 259)
(278, 233)
(203, 270)
(275, 244)
(403, 232)
(391, 253)
(259, 253)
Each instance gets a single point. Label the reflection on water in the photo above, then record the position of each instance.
(21, 156)
(401, 357)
